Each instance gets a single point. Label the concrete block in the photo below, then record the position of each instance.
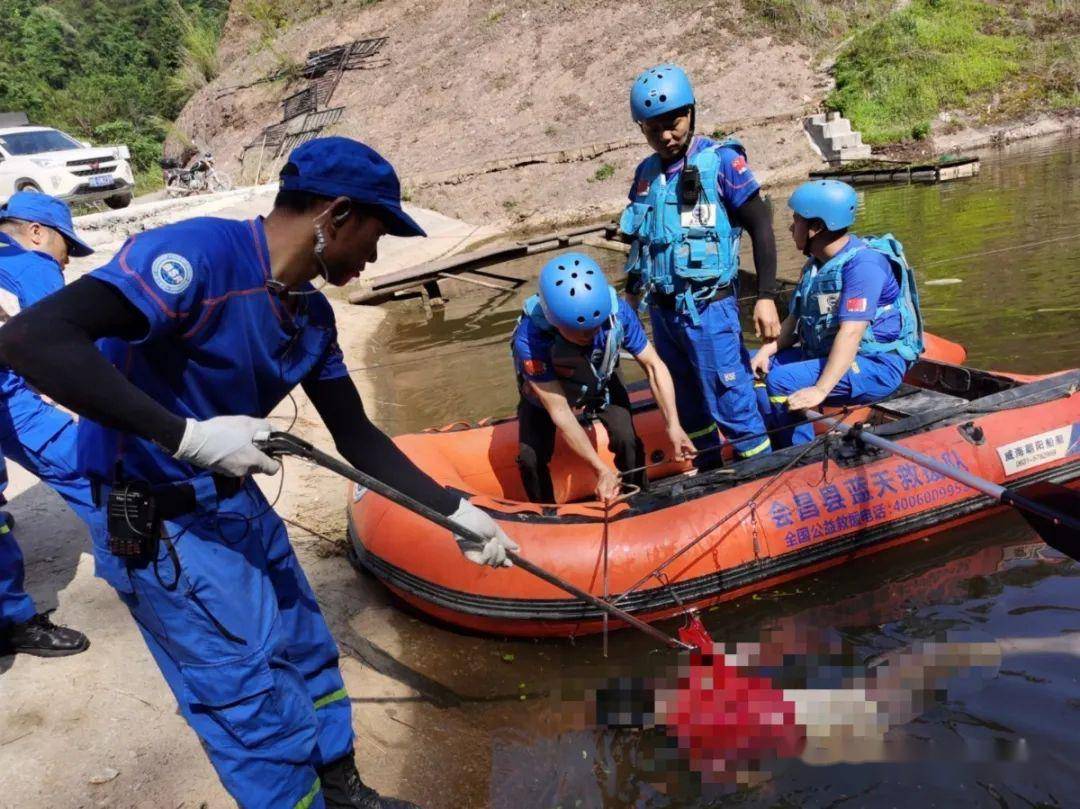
(834, 128)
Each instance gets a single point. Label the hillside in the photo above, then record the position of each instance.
(109, 72)
(468, 82)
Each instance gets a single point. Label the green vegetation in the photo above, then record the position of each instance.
(1050, 75)
(995, 60)
(895, 76)
(605, 172)
(813, 21)
(109, 72)
(269, 17)
(199, 64)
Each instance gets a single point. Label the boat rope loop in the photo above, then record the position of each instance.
(749, 503)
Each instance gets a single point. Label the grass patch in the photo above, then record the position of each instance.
(199, 63)
(605, 172)
(148, 181)
(896, 75)
(810, 21)
(1049, 78)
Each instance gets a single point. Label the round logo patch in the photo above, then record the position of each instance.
(172, 272)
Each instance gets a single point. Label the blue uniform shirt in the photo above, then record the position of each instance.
(532, 345)
(26, 276)
(735, 181)
(219, 343)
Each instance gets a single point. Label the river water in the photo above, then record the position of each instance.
(999, 268)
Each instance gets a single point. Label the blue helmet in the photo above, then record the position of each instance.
(660, 90)
(574, 293)
(831, 201)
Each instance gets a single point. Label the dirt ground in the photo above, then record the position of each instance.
(101, 729)
(465, 83)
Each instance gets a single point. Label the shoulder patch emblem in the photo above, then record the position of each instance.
(172, 272)
(534, 367)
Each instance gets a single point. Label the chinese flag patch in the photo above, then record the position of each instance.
(739, 164)
(642, 187)
(855, 305)
(534, 367)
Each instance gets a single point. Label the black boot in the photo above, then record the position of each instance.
(343, 789)
(42, 638)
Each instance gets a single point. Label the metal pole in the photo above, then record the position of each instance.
(994, 490)
(286, 444)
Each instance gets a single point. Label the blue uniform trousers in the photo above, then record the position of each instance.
(16, 606)
(870, 379)
(235, 629)
(41, 438)
(711, 371)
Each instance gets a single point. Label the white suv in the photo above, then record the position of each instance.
(39, 158)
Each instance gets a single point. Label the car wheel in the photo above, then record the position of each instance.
(28, 185)
(119, 201)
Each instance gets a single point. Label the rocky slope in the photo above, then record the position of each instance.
(467, 83)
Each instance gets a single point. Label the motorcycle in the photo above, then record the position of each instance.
(199, 177)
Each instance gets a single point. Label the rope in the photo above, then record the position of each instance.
(999, 250)
(656, 572)
(844, 412)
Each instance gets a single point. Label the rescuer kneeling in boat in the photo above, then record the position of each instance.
(566, 352)
(855, 316)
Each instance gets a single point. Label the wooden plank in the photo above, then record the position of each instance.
(478, 282)
(383, 287)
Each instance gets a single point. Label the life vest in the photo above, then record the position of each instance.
(688, 251)
(584, 382)
(816, 304)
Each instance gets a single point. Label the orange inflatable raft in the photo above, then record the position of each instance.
(758, 522)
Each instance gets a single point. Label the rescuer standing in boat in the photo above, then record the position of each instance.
(36, 238)
(566, 351)
(855, 315)
(205, 326)
(689, 203)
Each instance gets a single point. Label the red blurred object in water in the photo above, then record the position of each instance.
(695, 633)
(725, 721)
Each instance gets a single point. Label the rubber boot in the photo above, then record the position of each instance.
(42, 638)
(343, 789)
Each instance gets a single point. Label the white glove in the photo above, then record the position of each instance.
(492, 552)
(224, 444)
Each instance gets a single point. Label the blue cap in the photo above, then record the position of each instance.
(343, 167)
(32, 206)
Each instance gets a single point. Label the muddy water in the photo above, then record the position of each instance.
(1000, 273)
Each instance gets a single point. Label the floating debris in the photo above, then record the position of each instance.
(942, 282)
(947, 167)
